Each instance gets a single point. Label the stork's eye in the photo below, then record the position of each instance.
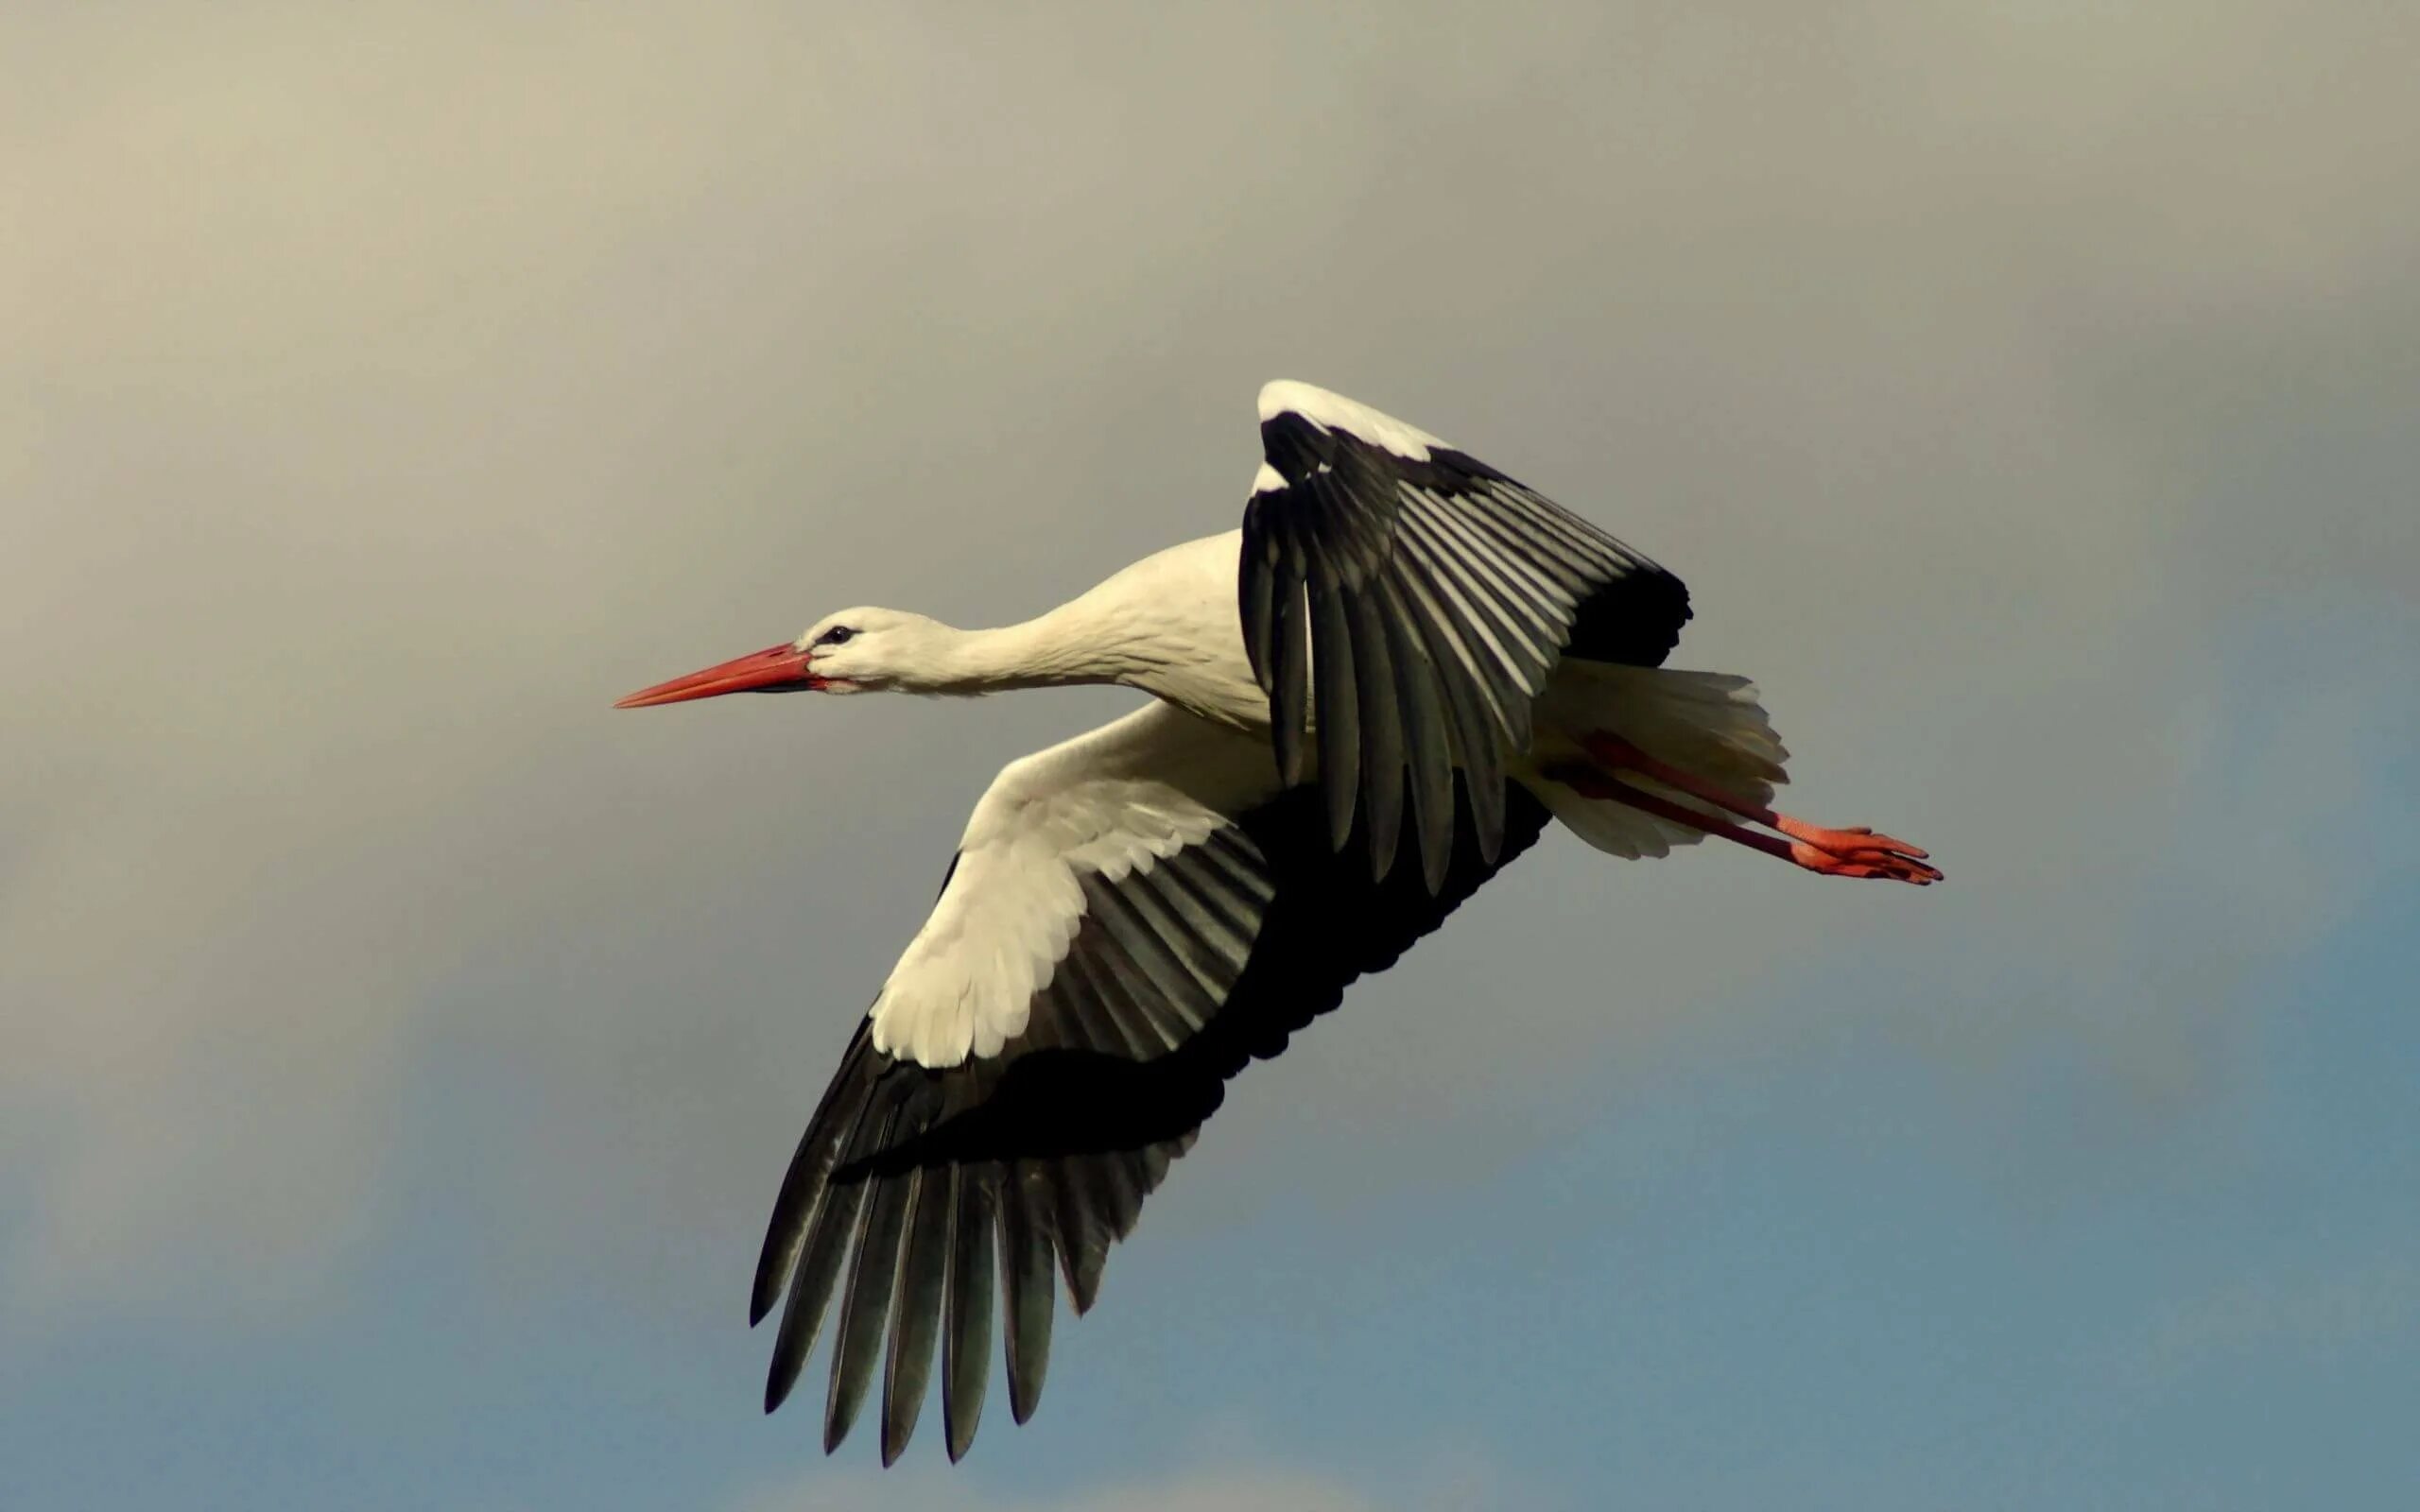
(837, 635)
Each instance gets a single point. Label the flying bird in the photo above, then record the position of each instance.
(1366, 702)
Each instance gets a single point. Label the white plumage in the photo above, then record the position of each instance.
(1108, 804)
(1365, 703)
(1334, 412)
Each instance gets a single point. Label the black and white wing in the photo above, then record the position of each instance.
(1406, 602)
(1132, 916)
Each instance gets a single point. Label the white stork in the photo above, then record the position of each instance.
(1400, 638)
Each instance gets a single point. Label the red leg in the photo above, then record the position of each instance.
(1851, 852)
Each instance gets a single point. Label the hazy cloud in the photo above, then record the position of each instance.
(1223, 1473)
(2369, 1305)
(389, 393)
(1241, 1489)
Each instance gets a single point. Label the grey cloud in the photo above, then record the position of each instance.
(2369, 1305)
(397, 392)
(1223, 1472)
(1235, 1489)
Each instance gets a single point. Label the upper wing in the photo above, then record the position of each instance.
(1413, 599)
(1163, 967)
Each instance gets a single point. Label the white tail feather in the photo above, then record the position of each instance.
(1706, 723)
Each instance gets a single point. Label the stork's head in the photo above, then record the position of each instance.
(858, 650)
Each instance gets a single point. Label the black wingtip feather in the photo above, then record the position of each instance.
(1289, 700)
(858, 1346)
(965, 1364)
(820, 1259)
(1255, 595)
(1082, 1248)
(1026, 1281)
(1384, 756)
(1337, 704)
(916, 1306)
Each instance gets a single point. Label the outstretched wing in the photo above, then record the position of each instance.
(963, 1155)
(1408, 601)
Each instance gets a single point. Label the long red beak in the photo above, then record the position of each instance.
(775, 669)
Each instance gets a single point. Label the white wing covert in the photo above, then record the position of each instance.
(968, 983)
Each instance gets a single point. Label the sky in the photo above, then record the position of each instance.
(399, 1049)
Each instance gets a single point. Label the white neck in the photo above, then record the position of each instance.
(1167, 625)
(1110, 635)
(1052, 650)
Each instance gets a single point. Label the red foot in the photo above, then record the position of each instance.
(1856, 851)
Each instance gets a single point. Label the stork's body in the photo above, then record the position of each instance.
(1366, 702)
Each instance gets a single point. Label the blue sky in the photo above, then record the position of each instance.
(399, 1049)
